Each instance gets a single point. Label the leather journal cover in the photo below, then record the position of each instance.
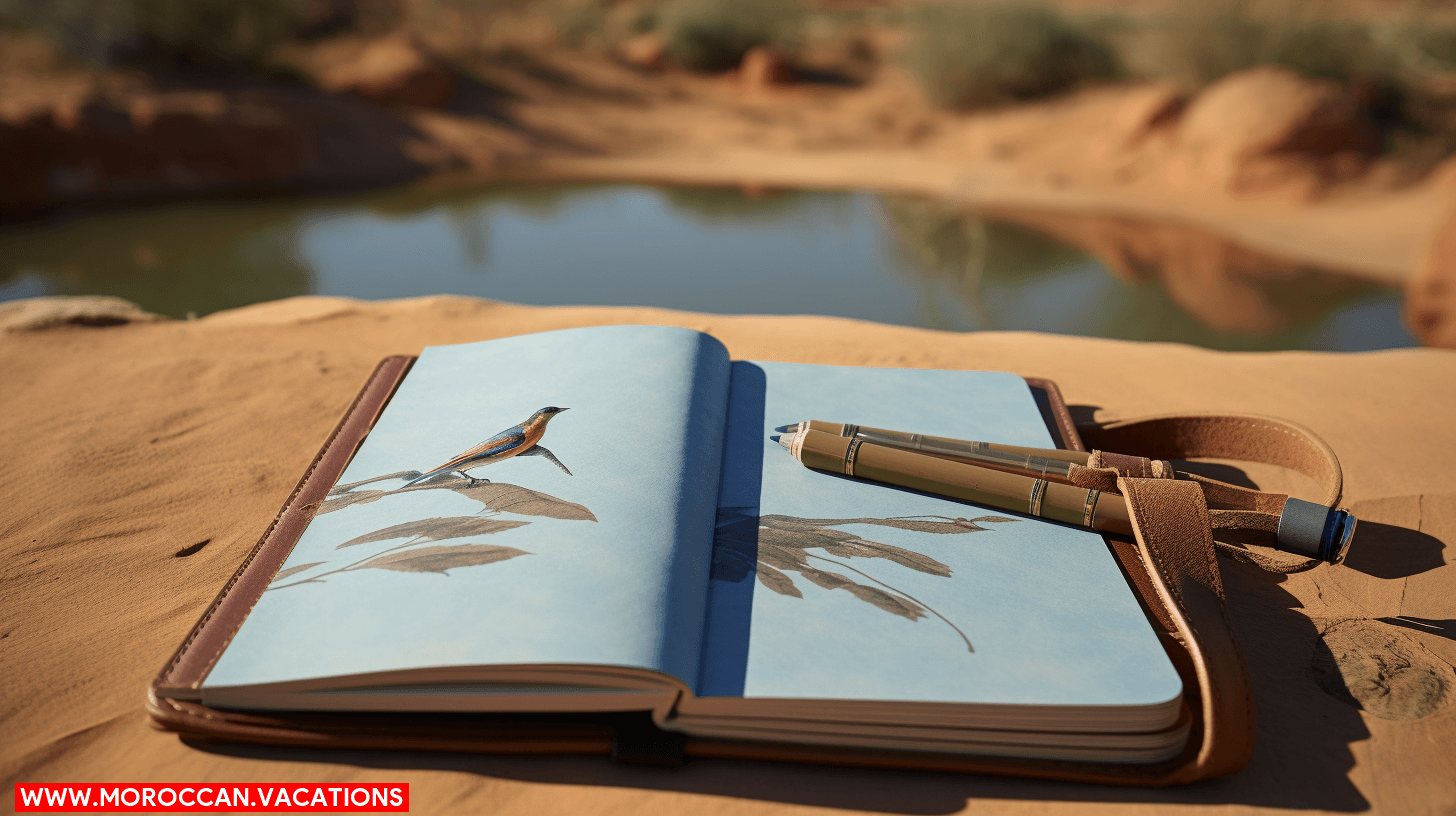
(1178, 589)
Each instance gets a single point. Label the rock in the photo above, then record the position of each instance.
(762, 68)
(644, 51)
(176, 143)
(1430, 296)
(1267, 128)
(392, 70)
(193, 143)
(34, 314)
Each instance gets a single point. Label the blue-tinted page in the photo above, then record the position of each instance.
(824, 587)
(603, 566)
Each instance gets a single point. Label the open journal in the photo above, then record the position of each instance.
(629, 537)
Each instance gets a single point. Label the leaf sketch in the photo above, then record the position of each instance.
(769, 547)
(343, 500)
(295, 570)
(420, 559)
(493, 495)
(440, 558)
(403, 474)
(512, 499)
(495, 498)
(436, 529)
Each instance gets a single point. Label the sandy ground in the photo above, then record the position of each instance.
(144, 459)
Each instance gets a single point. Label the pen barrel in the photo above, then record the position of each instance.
(1041, 463)
(977, 485)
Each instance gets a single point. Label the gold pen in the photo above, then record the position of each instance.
(1038, 497)
(1033, 481)
(1042, 463)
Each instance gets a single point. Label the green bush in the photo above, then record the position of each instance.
(992, 53)
(713, 35)
(217, 30)
(1426, 47)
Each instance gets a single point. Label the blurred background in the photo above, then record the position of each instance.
(1235, 174)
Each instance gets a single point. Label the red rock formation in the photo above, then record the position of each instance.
(147, 144)
(1269, 128)
(762, 68)
(1430, 297)
(392, 70)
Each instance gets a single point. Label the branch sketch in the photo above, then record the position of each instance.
(772, 546)
(494, 495)
(410, 556)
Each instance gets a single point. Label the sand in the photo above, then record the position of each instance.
(144, 459)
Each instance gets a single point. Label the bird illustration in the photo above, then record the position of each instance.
(517, 440)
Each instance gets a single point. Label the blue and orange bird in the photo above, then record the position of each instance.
(517, 440)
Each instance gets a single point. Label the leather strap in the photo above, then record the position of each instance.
(1174, 522)
(1253, 514)
(1172, 526)
(1250, 437)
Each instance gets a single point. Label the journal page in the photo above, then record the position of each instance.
(830, 588)
(542, 499)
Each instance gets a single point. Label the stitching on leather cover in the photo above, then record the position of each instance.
(267, 535)
(287, 507)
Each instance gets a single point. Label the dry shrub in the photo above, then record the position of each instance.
(987, 54)
(713, 35)
(1198, 43)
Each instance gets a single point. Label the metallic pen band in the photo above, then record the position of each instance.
(1038, 492)
(849, 430)
(849, 454)
(1090, 507)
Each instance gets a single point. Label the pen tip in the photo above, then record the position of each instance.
(789, 429)
(784, 441)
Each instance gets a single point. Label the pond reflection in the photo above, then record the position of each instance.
(175, 260)
(895, 260)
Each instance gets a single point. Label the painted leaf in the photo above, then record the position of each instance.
(824, 578)
(777, 581)
(440, 558)
(889, 552)
(889, 602)
(294, 571)
(894, 604)
(781, 557)
(403, 474)
(342, 500)
(437, 529)
(775, 546)
(513, 499)
(845, 545)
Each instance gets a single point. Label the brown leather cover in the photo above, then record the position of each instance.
(1180, 592)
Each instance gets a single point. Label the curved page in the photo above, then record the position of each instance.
(474, 530)
(836, 599)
